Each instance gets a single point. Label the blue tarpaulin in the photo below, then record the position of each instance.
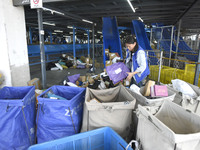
(17, 117)
(60, 118)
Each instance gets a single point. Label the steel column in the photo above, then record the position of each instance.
(42, 52)
(178, 37)
(170, 54)
(196, 78)
(197, 72)
(30, 36)
(51, 37)
(191, 44)
(88, 32)
(197, 42)
(74, 46)
(160, 66)
(151, 36)
(160, 38)
(93, 41)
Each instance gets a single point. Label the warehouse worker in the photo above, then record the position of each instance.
(136, 61)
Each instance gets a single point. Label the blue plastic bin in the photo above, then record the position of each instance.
(17, 117)
(60, 118)
(99, 139)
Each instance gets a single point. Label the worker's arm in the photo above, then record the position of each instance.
(141, 60)
(130, 75)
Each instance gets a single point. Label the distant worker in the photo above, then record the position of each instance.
(136, 61)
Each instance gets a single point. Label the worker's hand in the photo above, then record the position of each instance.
(130, 75)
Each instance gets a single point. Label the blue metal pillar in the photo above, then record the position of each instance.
(30, 35)
(88, 32)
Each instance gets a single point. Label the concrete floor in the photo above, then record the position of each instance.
(55, 77)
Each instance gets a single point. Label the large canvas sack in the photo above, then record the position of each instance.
(187, 102)
(169, 127)
(115, 111)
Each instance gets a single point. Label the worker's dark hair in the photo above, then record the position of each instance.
(130, 40)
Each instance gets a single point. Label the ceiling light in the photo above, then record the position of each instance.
(51, 24)
(70, 27)
(87, 21)
(53, 11)
(67, 36)
(140, 19)
(58, 31)
(54, 33)
(131, 5)
(99, 32)
(85, 34)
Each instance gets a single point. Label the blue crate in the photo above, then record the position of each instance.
(99, 139)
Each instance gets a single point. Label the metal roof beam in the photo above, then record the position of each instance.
(27, 2)
(128, 11)
(186, 11)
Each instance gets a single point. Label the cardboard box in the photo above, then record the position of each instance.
(147, 88)
(118, 83)
(107, 51)
(82, 78)
(117, 54)
(85, 84)
(37, 93)
(87, 66)
(108, 63)
(102, 65)
(97, 77)
(1, 78)
(91, 61)
(97, 65)
(87, 61)
(91, 80)
(83, 59)
(77, 83)
(35, 82)
(112, 56)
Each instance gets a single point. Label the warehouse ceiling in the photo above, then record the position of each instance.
(151, 11)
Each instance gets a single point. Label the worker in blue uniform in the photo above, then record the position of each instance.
(136, 61)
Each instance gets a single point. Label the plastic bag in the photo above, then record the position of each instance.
(184, 88)
(73, 78)
(135, 89)
(117, 72)
(115, 60)
(59, 66)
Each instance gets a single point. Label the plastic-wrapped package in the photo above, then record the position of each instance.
(117, 72)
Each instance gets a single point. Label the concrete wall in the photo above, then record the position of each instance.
(13, 50)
